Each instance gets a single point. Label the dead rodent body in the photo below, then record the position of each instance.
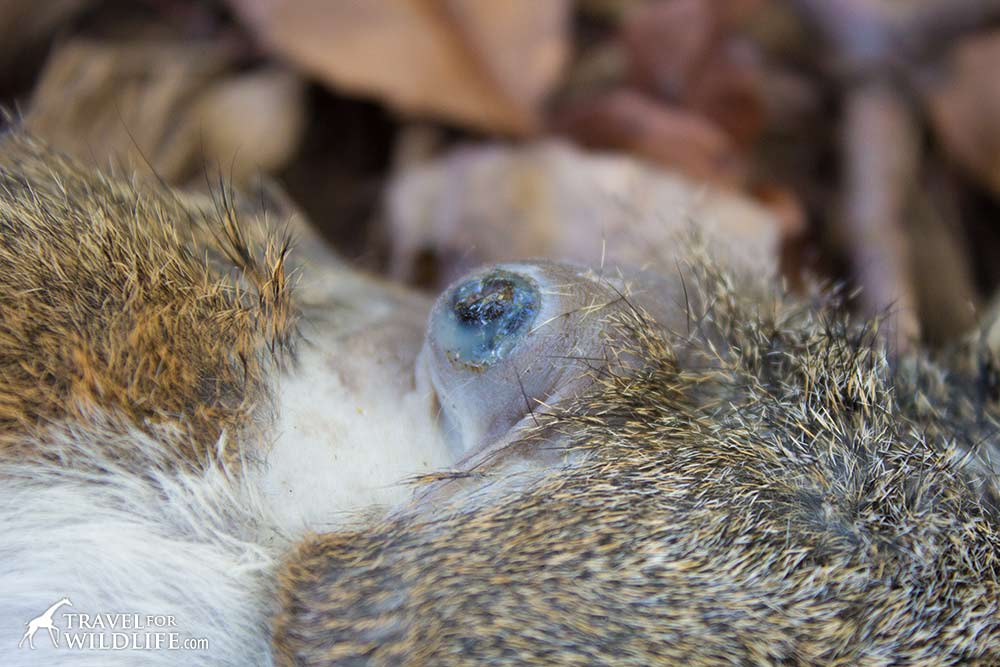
(566, 466)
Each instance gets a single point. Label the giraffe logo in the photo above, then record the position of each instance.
(43, 621)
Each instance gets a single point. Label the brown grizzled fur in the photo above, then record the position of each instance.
(764, 488)
(121, 299)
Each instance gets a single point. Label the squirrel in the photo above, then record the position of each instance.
(550, 464)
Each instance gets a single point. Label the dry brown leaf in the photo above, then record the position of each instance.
(668, 44)
(965, 109)
(175, 106)
(253, 119)
(670, 137)
(484, 64)
(681, 52)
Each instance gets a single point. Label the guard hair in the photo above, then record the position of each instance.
(756, 489)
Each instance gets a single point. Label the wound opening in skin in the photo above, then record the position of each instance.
(493, 342)
(486, 317)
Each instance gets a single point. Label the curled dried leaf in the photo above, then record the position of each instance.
(484, 64)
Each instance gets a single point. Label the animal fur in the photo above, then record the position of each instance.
(762, 486)
(121, 297)
(139, 338)
(758, 491)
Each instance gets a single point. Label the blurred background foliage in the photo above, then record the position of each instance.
(854, 140)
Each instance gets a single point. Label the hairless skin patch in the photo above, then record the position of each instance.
(488, 314)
